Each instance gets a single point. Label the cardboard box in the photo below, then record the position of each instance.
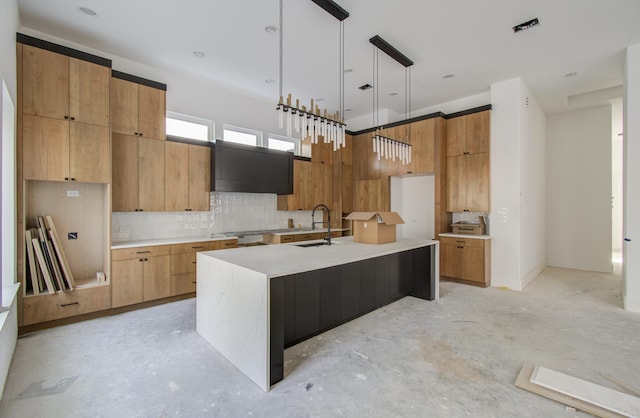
(374, 227)
(467, 228)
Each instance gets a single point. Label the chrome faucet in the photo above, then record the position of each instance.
(328, 222)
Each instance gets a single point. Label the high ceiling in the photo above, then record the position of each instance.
(470, 39)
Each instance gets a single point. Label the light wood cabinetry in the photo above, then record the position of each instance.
(140, 274)
(322, 153)
(65, 106)
(466, 259)
(45, 308)
(187, 177)
(468, 163)
(138, 174)
(137, 109)
(372, 196)
(312, 185)
(184, 262)
(307, 236)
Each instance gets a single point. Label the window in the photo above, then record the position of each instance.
(191, 127)
(242, 135)
(284, 143)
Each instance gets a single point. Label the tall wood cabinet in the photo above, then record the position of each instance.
(63, 136)
(138, 112)
(65, 109)
(468, 163)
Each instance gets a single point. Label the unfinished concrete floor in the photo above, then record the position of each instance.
(455, 357)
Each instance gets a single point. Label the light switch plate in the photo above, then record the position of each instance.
(73, 193)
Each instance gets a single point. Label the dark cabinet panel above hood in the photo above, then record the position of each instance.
(248, 169)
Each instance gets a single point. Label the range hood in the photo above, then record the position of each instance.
(249, 169)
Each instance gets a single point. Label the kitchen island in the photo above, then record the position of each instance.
(254, 302)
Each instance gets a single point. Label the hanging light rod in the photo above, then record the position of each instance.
(388, 49)
(333, 9)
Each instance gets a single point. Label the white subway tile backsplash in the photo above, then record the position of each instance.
(230, 212)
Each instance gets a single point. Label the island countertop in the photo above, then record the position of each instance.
(285, 259)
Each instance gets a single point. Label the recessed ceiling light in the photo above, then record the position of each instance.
(271, 29)
(572, 74)
(365, 87)
(393, 94)
(348, 70)
(269, 81)
(198, 54)
(87, 11)
(448, 76)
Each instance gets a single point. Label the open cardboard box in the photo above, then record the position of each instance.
(374, 227)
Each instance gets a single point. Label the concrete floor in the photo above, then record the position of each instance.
(455, 357)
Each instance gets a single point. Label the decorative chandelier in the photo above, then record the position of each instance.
(312, 122)
(384, 146)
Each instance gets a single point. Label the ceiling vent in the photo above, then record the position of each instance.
(526, 25)
(365, 87)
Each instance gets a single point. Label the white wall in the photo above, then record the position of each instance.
(631, 248)
(413, 198)
(517, 216)
(579, 189)
(533, 216)
(9, 22)
(616, 173)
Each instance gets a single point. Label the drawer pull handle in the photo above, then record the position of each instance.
(64, 305)
(143, 252)
(193, 262)
(193, 282)
(199, 246)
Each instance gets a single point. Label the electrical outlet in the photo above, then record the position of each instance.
(124, 229)
(72, 235)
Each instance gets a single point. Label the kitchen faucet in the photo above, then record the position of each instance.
(313, 222)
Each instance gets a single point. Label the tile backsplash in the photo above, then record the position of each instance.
(229, 212)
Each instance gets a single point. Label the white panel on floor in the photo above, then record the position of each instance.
(413, 198)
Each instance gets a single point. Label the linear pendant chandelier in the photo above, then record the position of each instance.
(312, 122)
(385, 146)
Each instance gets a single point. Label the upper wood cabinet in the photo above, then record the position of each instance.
(468, 183)
(61, 87)
(468, 134)
(138, 174)
(302, 196)
(322, 152)
(187, 177)
(137, 109)
(65, 123)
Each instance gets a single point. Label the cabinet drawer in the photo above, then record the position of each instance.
(194, 247)
(304, 237)
(286, 238)
(336, 234)
(183, 283)
(183, 263)
(464, 242)
(129, 253)
(64, 304)
(228, 243)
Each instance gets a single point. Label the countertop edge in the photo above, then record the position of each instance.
(452, 235)
(165, 241)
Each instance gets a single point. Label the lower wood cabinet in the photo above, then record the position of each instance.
(285, 238)
(140, 274)
(44, 308)
(183, 264)
(467, 260)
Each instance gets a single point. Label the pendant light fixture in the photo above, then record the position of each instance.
(312, 122)
(384, 146)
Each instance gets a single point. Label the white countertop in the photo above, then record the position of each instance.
(286, 259)
(449, 234)
(165, 241)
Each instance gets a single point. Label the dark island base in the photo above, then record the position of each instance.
(307, 304)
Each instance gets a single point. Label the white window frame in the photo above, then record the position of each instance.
(296, 142)
(248, 131)
(211, 125)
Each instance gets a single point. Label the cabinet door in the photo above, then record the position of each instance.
(89, 92)
(177, 170)
(350, 291)
(126, 282)
(152, 112)
(327, 186)
(89, 160)
(183, 263)
(478, 132)
(473, 265)
(347, 188)
(477, 182)
(330, 297)
(367, 285)
(317, 176)
(45, 83)
(45, 152)
(124, 107)
(183, 283)
(305, 187)
(125, 173)
(456, 136)
(457, 183)
(422, 141)
(199, 178)
(156, 282)
(452, 260)
(151, 174)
